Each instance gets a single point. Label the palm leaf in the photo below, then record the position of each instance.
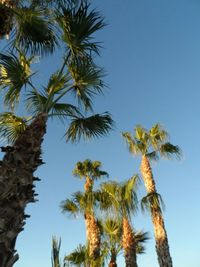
(152, 201)
(78, 257)
(14, 75)
(11, 126)
(78, 25)
(89, 127)
(87, 80)
(168, 150)
(34, 31)
(55, 254)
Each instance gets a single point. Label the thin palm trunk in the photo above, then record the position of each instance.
(128, 243)
(113, 259)
(162, 246)
(17, 186)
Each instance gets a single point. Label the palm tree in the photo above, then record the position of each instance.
(124, 199)
(150, 145)
(78, 257)
(85, 203)
(25, 135)
(55, 254)
(90, 171)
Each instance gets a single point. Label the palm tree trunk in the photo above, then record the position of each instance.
(17, 186)
(113, 260)
(162, 246)
(93, 235)
(128, 243)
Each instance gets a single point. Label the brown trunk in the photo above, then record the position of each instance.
(88, 184)
(162, 246)
(17, 186)
(6, 16)
(93, 235)
(128, 243)
(113, 260)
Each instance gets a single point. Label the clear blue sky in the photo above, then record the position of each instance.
(152, 59)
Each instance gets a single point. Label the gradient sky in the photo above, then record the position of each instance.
(152, 58)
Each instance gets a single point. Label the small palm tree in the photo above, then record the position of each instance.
(85, 203)
(90, 171)
(25, 135)
(123, 198)
(150, 145)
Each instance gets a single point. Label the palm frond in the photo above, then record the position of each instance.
(34, 31)
(78, 25)
(157, 135)
(36, 101)
(11, 126)
(168, 150)
(152, 201)
(70, 206)
(78, 257)
(89, 127)
(131, 143)
(87, 80)
(153, 155)
(14, 75)
(55, 254)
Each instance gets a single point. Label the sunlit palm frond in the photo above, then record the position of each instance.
(157, 135)
(11, 126)
(89, 127)
(78, 25)
(79, 257)
(15, 73)
(132, 144)
(152, 201)
(34, 31)
(70, 206)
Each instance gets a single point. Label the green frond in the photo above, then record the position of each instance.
(55, 254)
(14, 75)
(36, 101)
(132, 144)
(11, 126)
(78, 26)
(140, 134)
(141, 238)
(34, 31)
(89, 127)
(157, 135)
(63, 111)
(168, 150)
(152, 201)
(70, 207)
(113, 228)
(87, 79)
(89, 168)
(57, 83)
(79, 257)
(153, 155)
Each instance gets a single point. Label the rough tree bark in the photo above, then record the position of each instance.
(17, 186)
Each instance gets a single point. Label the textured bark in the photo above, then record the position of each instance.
(113, 260)
(129, 245)
(162, 246)
(88, 184)
(93, 235)
(17, 186)
(6, 17)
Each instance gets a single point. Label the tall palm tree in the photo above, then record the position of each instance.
(123, 196)
(77, 76)
(85, 204)
(150, 145)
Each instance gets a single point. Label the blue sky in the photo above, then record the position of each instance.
(152, 58)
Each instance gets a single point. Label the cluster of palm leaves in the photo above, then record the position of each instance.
(112, 233)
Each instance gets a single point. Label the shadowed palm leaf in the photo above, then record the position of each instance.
(78, 26)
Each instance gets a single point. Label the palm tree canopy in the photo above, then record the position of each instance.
(152, 143)
(122, 196)
(78, 257)
(88, 168)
